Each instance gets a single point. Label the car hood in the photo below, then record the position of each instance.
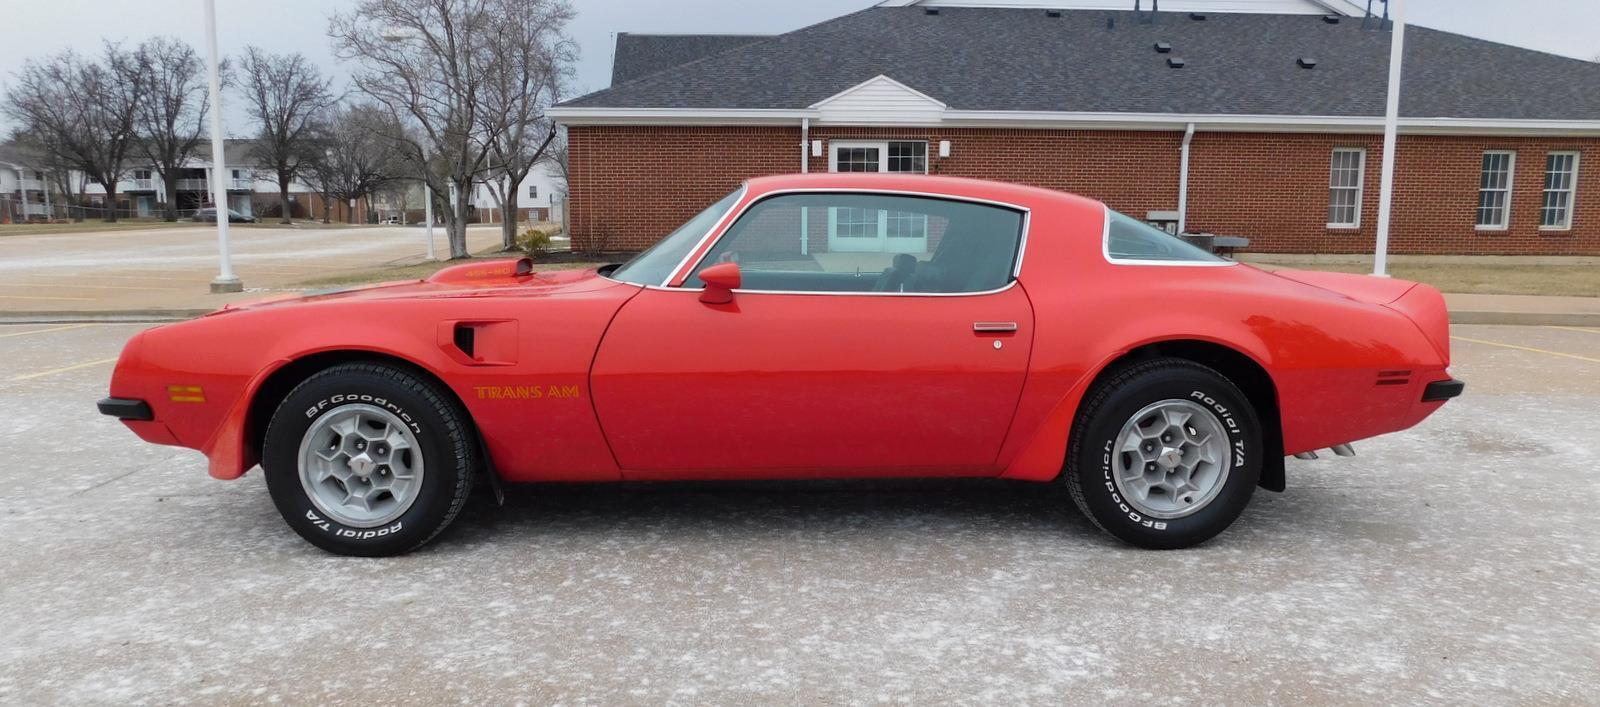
(491, 278)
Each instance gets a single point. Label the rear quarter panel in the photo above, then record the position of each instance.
(1322, 350)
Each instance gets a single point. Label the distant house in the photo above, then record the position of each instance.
(1258, 118)
(24, 192)
(540, 197)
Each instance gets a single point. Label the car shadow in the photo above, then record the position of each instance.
(756, 508)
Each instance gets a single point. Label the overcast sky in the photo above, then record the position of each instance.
(31, 28)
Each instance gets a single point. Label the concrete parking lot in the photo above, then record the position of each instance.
(1455, 562)
(171, 268)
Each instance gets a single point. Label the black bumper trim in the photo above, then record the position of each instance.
(1439, 391)
(126, 409)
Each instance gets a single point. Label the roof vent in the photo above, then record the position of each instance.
(1197, 16)
(1163, 47)
(1306, 62)
(930, 10)
(1331, 19)
(1111, 23)
(1052, 13)
(1175, 62)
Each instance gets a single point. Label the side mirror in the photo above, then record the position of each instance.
(721, 280)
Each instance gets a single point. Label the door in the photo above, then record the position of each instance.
(825, 364)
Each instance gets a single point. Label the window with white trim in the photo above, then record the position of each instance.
(1346, 175)
(1560, 190)
(1494, 190)
(877, 230)
(533, 191)
(973, 247)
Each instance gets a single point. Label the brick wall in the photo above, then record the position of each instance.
(631, 185)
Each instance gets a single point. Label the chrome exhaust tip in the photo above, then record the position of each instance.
(1306, 456)
(1343, 450)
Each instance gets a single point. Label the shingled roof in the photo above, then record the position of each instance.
(991, 59)
(639, 55)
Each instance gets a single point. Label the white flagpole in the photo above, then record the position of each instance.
(1391, 128)
(226, 281)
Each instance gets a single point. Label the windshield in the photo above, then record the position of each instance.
(656, 263)
(1128, 238)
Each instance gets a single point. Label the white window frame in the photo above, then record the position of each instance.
(883, 243)
(1361, 184)
(1571, 191)
(1510, 190)
(533, 191)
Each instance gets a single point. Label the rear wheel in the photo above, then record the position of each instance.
(368, 459)
(1164, 454)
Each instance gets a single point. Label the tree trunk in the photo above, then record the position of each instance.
(457, 226)
(508, 220)
(283, 199)
(111, 202)
(170, 181)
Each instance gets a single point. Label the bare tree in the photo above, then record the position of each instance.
(71, 183)
(557, 157)
(285, 93)
(171, 109)
(356, 153)
(423, 61)
(83, 111)
(532, 59)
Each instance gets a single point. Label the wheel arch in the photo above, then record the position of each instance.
(277, 384)
(1243, 370)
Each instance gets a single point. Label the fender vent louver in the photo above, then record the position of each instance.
(466, 339)
(1394, 377)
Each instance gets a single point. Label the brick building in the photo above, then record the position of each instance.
(1257, 118)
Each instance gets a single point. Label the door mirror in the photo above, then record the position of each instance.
(721, 280)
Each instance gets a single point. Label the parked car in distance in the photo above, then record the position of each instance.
(210, 214)
(805, 326)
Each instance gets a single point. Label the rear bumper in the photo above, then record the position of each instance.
(1440, 391)
(126, 409)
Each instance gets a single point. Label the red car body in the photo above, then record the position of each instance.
(571, 376)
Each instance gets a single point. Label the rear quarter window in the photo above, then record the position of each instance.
(1129, 239)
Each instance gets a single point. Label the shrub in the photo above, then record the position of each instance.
(535, 241)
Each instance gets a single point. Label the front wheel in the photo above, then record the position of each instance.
(368, 459)
(1164, 454)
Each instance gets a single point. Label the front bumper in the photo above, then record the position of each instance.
(1440, 391)
(126, 409)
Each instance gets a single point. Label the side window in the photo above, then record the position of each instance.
(909, 244)
(1128, 238)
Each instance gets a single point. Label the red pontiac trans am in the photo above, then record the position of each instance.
(806, 326)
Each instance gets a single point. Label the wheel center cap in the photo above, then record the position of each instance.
(1169, 458)
(361, 465)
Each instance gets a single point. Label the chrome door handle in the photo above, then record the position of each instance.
(993, 327)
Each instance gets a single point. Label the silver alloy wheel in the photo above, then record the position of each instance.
(360, 465)
(1171, 459)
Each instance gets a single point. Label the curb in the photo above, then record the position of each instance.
(1579, 319)
(127, 316)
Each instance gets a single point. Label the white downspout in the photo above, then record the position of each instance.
(805, 168)
(1183, 181)
(805, 145)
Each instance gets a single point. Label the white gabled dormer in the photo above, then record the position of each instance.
(879, 101)
(1276, 7)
